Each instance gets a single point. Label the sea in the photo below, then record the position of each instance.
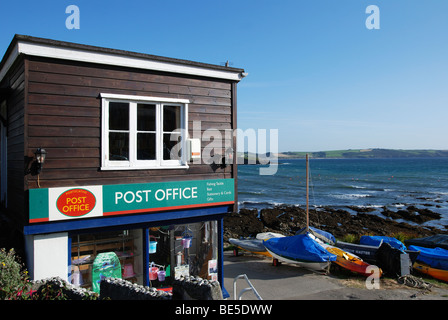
(344, 183)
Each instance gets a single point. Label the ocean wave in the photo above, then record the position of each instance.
(356, 187)
(439, 193)
(350, 196)
(251, 192)
(374, 206)
(397, 205)
(266, 203)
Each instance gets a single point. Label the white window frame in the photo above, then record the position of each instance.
(133, 163)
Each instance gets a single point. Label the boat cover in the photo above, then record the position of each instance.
(299, 247)
(325, 236)
(268, 235)
(434, 257)
(376, 241)
(438, 240)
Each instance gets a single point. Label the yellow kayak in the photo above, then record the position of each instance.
(349, 261)
(439, 274)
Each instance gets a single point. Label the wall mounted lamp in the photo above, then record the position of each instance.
(40, 156)
(34, 165)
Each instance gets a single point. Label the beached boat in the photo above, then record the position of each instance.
(251, 245)
(255, 245)
(365, 252)
(438, 240)
(302, 249)
(324, 236)
(433, 272)
(350, 261)
(433, 257)
(268, 235)
(376, 241)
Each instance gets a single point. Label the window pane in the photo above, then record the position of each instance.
(146, 146)
(171, 149)
(119, 146)
(171, 118)
(118, 116)
(86, 247)
(146, 117)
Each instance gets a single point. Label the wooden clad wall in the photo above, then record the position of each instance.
(15, 82)
(64, 117)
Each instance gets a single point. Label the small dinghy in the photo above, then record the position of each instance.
(432, 261)
(252, 245)
(255, 245)
(433, 257)
(365, 252)
(376, 241)
(438, 240)
(300, 249)
(350, 261)
(323, 236)
(303, 248)
(439, 274)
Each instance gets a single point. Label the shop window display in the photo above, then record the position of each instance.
(186, 249)
(86, 248)
(173, 251)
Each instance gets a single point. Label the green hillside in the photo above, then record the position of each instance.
(367, 153)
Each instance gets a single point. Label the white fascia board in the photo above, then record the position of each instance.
(142, 98)
(9, 62)
(48, 51)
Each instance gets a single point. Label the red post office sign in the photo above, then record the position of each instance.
(76, 202)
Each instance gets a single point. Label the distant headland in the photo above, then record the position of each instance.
(374, 153)
(367, 153)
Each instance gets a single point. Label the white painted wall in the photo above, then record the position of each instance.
(47, 255)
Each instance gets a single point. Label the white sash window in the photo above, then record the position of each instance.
(143, 132)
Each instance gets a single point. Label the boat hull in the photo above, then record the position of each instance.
(433, 272)
(438, 240)
(351, 262)
(313, 266)
(434, 257)
(255, 245)
(300, 249)
(365, 252)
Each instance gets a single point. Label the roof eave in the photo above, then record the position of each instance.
(40, 47)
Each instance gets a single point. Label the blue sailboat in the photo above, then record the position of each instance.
(303, 248)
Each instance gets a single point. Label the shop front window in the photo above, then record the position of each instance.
(173, 251)
(98, 255)
(182, 250)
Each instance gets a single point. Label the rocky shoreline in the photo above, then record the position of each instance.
(288, 219)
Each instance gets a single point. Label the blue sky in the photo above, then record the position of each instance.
(316, 73)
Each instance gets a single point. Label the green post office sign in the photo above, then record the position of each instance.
(94, 201)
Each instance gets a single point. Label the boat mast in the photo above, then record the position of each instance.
(307, 205)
